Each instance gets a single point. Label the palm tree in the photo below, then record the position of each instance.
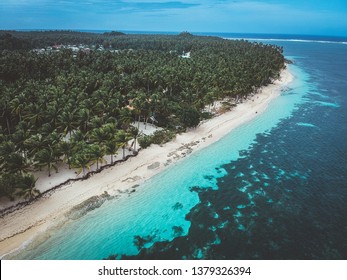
(46, 157)
(110, 128)
(134, 132)
(209, 99)
(98, 135)
(66, 149)
(18, 163)
(28, 190)
(113, 106)
(99, 108)
(78, 136)
(82, 161)
(142, 106)
(8, 183)
(54, 138)
(53, 112)
(6, 149)
(97, 153)
(18, 104)
(12, 162)
(35, 114)
(84, 117)
(122, 139)
(35, 143)
(67, 122)
(126, 117)
(111, 147)
(6, 107)
(96, 122)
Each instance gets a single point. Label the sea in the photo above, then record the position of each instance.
(273, 188)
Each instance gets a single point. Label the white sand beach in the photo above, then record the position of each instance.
(20, 227)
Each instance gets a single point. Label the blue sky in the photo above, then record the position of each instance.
(315, 17)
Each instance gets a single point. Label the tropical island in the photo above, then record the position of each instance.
(74, 102)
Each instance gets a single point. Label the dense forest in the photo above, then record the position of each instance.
(78, 106)
(21, 40)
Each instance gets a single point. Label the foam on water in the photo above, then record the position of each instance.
(306, 124)
(287, 40)
(327, 104)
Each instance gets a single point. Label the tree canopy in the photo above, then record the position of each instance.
(78, 105)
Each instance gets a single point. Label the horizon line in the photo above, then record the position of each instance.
(171, 32)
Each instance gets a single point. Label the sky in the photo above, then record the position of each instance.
(310, 17)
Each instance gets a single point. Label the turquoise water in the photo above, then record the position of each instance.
(157, 210)
(285, 196)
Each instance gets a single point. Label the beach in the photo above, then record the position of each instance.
(22, 226)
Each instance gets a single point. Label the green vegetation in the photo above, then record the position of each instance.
(159, 137)
(78, 106)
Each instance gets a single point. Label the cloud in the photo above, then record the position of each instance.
(98, 4)
(158, 5)
(262, 16)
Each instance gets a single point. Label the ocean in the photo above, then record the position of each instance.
(274, 188)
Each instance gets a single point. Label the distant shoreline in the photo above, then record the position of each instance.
(19, 228)
(248, 36)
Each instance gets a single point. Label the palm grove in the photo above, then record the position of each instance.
(77, 107)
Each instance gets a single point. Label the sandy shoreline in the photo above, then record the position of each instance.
(19, 227)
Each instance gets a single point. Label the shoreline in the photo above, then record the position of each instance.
(20, 227)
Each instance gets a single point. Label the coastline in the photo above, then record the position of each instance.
(21, 226)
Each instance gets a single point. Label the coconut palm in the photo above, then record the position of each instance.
(28, 190)
(5, 107)
(110, 128)
(66, 149)
(84, 117)
(82, 161)
(126, 117)
(35, 143)
(53, 112)
(8, 183)
(98, 135)
(122, 140)
(6, 149)
(96, 122)
(18, 104)
(46, 157)
(11, 160)
(78, 136)
(35, 114)
(134, 132)
(111, 146)
(67, 122)
(97, 153)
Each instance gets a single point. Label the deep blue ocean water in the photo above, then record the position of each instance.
(275, 188)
